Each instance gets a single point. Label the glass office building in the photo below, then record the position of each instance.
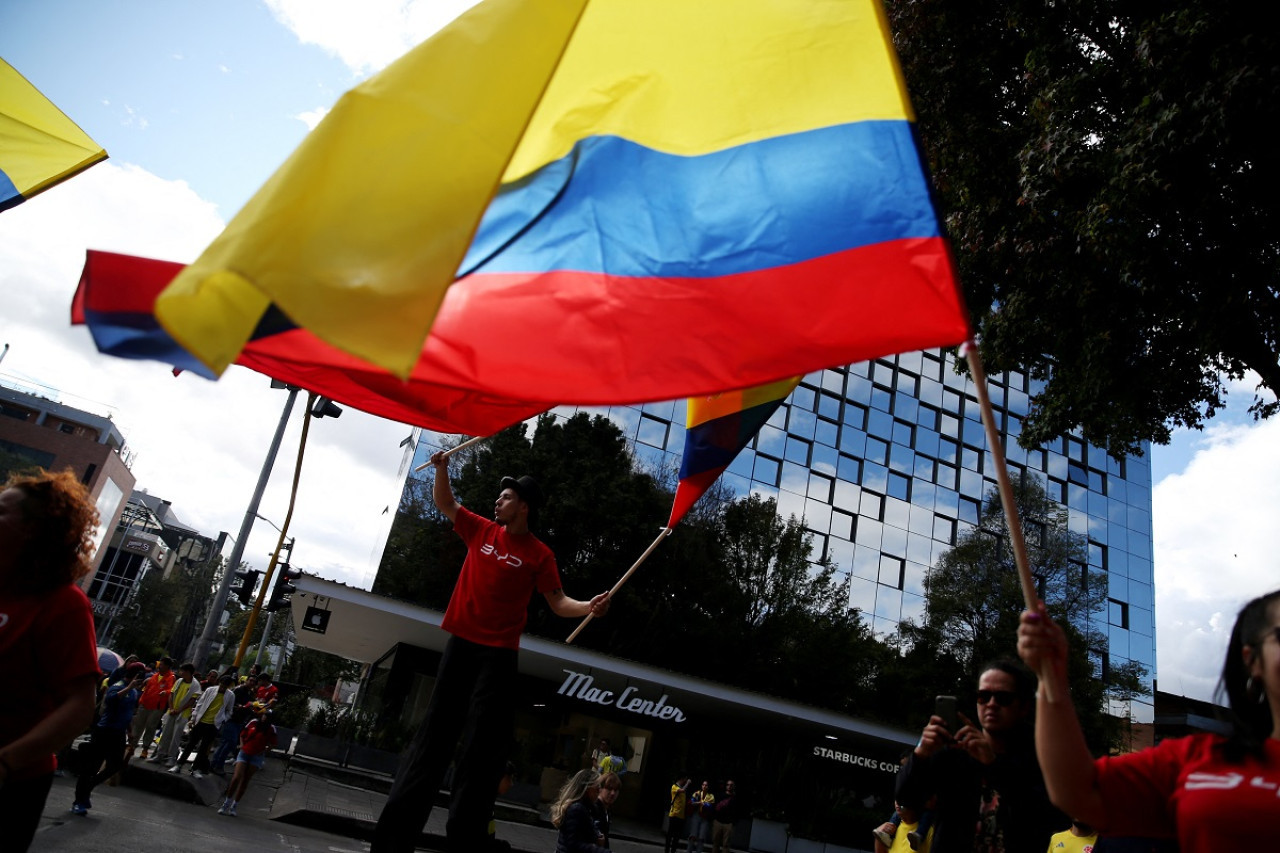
(886, 463)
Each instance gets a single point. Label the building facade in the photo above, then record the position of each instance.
(886, 463)
(38, 431)
(148, 538)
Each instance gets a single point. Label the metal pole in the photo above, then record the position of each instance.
(266, 634)
(284, 647)
(200, 650)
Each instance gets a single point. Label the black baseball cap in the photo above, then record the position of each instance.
(527, 488)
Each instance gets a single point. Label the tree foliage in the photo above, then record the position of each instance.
(973, 600)
(733, 595)
(1105, 171)
(973, 596)
(166, 609)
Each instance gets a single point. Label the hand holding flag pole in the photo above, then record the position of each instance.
(970, 352)
(662, 534)
(453, 450)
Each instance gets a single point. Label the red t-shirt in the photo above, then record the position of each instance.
(1184, 788)
(257, 737)
(52, 637)
(490, 601)
(266, 693)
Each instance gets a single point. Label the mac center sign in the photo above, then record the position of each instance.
(581, 686)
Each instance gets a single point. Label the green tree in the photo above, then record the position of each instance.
(232, 633)
(791, 629)
(158, 623)
(732, 594)
(973, 596)
(973, 600)
(1106, 175)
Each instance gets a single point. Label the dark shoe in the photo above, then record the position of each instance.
(914, 839)
(79, 809)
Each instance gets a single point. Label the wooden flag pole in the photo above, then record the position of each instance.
(453, 450)
(662, 534)
(1029, 597)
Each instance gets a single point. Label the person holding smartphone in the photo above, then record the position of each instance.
(990, 792)
(109, 738)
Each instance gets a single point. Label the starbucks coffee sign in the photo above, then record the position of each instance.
(579, 685)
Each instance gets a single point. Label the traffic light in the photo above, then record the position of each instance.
(248, 580)
(325, 408)
(282, 588)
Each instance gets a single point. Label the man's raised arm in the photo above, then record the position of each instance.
(441, 491)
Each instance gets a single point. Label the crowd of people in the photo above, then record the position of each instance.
(1016, 776)
(46, 628)
(174, 716)
(700, 817)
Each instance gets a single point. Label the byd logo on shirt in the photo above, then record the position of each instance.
(510, 559)
(1226, 782)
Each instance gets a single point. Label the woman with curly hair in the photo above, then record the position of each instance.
(46, 633)
(573, 814)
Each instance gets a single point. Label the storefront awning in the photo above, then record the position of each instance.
(361, 626)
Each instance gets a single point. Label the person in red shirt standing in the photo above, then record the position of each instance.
(505, 564)
(267, 693)
(46, 629)
(256, 739)
(1210, 792)
(152, 705)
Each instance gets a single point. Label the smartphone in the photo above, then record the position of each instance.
(945, 707)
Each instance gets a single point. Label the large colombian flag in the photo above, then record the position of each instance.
(673, 199)
(39, 145)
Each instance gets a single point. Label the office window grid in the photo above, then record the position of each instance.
(886, 462)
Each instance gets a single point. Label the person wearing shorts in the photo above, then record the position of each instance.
(255, 740)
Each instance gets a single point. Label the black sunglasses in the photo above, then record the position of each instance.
(1004, 698)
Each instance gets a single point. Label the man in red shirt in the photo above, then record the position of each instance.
(267, 693)
(476, 681)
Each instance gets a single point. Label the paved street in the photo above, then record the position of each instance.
(126, 818)
(302, 812)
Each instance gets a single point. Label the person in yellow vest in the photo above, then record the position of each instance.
(675, 814)
(910, 821)
(701, 807)
(1080, 838)
(182, 698)
(212, 710)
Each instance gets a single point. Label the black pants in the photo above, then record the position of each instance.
(473, 702)
(105, 745)
(201, 738)
(675, 834)
(21, 805)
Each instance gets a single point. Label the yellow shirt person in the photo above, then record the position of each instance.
(1080, 838)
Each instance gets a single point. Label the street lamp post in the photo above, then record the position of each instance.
(200, 649)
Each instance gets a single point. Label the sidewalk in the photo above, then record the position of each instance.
(306, 797)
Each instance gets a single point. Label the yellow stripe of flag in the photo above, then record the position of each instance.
(693, 76)
(39, 145)
(703, 409)
(358, 235)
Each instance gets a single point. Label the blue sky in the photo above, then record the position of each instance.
(208, 93)
(197, 104)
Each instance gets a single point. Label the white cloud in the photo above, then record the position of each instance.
(1214, 549)
(311, 118)
(199, 444)
(370, 35)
